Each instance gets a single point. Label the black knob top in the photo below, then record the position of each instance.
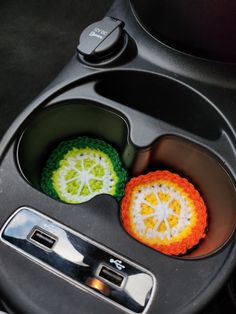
(101, 39)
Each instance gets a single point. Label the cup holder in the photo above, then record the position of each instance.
(206, 173)
(66, 121)
(164, 100)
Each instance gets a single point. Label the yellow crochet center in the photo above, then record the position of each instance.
(169, 197)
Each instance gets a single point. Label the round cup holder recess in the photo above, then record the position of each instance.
(206, 173)
(70, 119)
(65, 121)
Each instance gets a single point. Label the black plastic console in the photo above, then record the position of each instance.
(161, 109)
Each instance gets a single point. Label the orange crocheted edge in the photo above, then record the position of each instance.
(198, 230)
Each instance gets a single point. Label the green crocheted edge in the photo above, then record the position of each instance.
(82, 142)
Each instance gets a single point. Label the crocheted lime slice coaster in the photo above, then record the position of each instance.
(164, 211)
(80, 169)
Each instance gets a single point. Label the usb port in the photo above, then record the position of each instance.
(111, 276)
(42, 239)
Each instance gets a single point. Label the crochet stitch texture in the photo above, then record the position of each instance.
(164, 211)
(79, 169)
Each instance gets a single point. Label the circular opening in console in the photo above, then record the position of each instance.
(207, 175)
(52, 131)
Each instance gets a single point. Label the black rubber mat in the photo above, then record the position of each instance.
(37, 38)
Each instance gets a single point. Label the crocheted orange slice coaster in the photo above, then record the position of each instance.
(164, 211)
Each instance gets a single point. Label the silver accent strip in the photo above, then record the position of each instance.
(138, 288)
